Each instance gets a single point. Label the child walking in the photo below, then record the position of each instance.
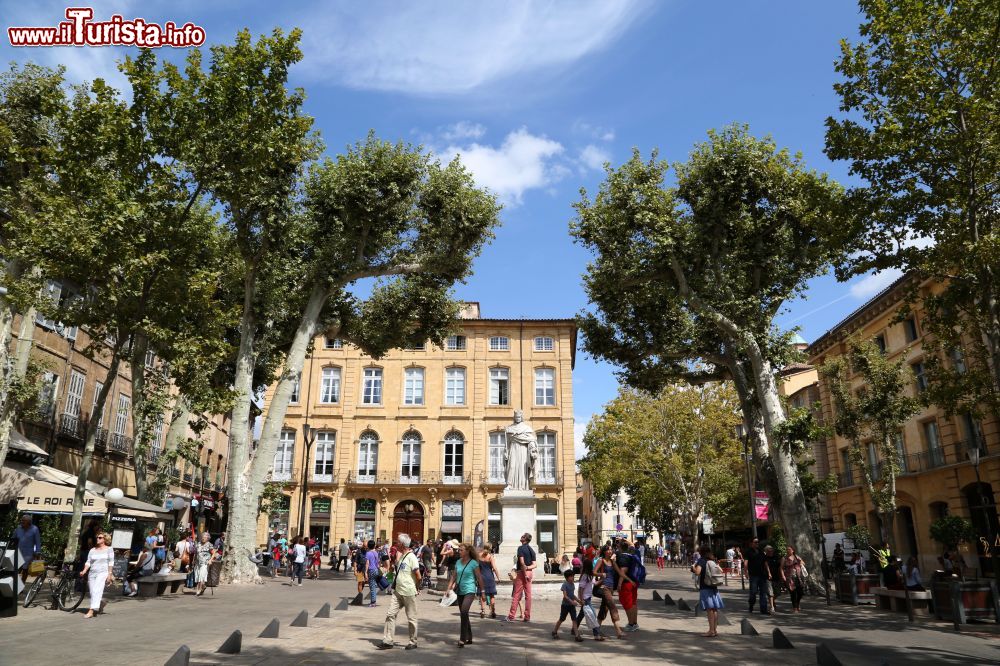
(568, 607)
(586, 594)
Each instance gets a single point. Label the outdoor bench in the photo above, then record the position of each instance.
(156, 585)
(895, 600)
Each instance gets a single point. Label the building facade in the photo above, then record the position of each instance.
(950, 464)
(69, 387)
(414, 442)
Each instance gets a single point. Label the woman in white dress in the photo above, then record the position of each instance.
(206, 552)
(100, 563)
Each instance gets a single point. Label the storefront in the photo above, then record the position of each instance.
(364, 520)
(451, 519)
(319, 521)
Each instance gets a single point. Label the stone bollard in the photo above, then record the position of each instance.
(271, 630)
(180, 658)
(233, 644)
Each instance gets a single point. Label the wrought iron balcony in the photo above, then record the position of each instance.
(397, 478)
(956, 453)
(188, 477)
(71, 426)
(101, 439)
(491, 480)
(175, 473)
(120, 444)
(153, 457)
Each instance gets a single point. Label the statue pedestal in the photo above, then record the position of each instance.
(517, 517)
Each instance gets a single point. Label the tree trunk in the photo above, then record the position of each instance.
(251, 478)
(242, 508)
(140, 426)
(18, 369)
(88, 454)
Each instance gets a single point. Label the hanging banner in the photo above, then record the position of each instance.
(762, 505)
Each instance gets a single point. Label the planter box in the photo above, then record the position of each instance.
(856, 588)
(961, 601)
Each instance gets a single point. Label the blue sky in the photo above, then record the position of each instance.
(535, 97)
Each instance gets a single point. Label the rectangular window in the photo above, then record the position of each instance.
(910, 326)
(150, 358)
(413, 386)
(920, 376)
(74, 395)
(455, 343)
(332, 343)
(98, 387)
(283, 456)
(329, 390)
(372, 392)
(499, 386)
(545, 386)
(454, 386)
(973, 433)
(323, 463)
(545, 466)
(499, 343)
(296, 389)
(419, 346)
(121, 418)
(901, 452)
(53, 292)
(873, 465)
(880, 343)
(847, 478)
(48, 394)
(544, 343)
(958, 360)
(454, 463)
(498, 446)
(410, 468)
(935, 456)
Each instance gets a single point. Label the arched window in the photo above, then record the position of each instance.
(545, 466)
(367, 456)
(410, 456)
(454, 454)
(850, 520)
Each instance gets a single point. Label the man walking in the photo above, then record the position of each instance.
(759, 577)
(29, 544)
(374, 563)
(343, 552)
(405, 588)
(522, 584)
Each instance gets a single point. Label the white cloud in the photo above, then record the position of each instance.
(594, 157)
(595, 132)
(523, 161)
(870, 285)
(455, 46)
(463, 130)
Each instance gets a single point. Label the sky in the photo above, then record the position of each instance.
(535, 97)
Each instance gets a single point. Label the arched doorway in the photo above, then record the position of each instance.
(983, 513)
(408, 518)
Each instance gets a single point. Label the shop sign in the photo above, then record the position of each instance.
(366, 507)
(321, 505)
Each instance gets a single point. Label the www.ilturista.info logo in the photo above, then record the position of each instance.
(80, 30)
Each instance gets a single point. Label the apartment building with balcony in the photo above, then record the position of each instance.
(414, 442)
(940, 455)
(69, 387)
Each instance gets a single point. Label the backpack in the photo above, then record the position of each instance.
(637, 570)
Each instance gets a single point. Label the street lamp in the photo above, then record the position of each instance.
(309, 436)
(114, 495)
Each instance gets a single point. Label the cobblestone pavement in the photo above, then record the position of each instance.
(148, 631)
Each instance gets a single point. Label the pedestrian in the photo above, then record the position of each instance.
(191, 549)
(659, 556)
(488, 572)
(29, 544)
(857, 565)
(204, 553)
(892, 578)
(297, 556)
(522, 582)
(586, 597)
(570, 602)
(99, 571)
(144, 566)
(738, 561)
(773, 563)
(465, 579)
(759, 576)
(315, 558)
(577, 561)
(373, 560)
(794, 575)
(912, 573)
(839, 564)
(626, 564)
(220, 544)
(361, 568)
(343, 552)
(710, 576)
(405, 588)
(604, 583)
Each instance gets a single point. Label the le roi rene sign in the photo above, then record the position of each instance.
(43, 497)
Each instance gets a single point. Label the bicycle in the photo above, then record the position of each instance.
(65, 594)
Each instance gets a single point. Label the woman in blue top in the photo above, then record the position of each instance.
(465, 579)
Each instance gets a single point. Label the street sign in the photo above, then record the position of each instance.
(707, 527)
(619, 527)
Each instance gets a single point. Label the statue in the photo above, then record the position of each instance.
(521, 453)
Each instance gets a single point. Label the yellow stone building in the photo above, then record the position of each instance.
(414, 442)
(950, 464)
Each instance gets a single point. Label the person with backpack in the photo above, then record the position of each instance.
(710, 576)
(629, 574)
